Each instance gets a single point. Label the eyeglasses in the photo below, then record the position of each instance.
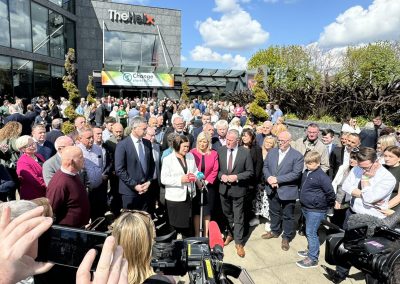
(367, 169)
(30, 145)
(283, 141)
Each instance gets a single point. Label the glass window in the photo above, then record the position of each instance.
(129, 49)
(40, 31)
(4, 24)
(42, 84)
(5, 77)
(22, 72)
(69, 35)
(56, 30)
(20, 24)
(68, 5)
(57, 90)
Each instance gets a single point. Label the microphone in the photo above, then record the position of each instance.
(215, 235)
(200, 176)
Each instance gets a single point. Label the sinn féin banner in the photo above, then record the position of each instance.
(135, 79)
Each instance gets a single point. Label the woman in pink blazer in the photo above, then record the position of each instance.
(207, 162)
(29, 169)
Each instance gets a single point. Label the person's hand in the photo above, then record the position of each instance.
(232, 178)
(145, 187)
(224, 178)
(112, 268)
(139, 188)
(356, 192)
(185, 179)
(337, 205)
(271, 180)
(4, 148)
(17, 245)
(387, 212)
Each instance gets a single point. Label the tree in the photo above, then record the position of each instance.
(185, 91)
(257, 107)
(91, 91)
(72, 89)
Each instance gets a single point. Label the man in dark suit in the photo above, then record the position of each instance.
(134, 165)
(219, 139)
(44, 147)
(177, 126)
(55, 132)
(282, 171)
(328, 137)
(16, 116)
(235, 172)
(341, 155)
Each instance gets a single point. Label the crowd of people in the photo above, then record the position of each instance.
(133, 158)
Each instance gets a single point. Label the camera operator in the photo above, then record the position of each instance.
(370, 186)
(22, 223)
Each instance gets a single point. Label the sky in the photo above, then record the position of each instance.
(226, 33)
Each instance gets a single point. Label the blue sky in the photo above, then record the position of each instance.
(226, 33)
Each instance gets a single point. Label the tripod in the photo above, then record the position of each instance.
(202, 190)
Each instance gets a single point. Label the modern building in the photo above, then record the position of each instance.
(130, 50)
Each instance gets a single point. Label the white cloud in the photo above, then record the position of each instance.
(183, 58)
(234, 30)
(271, 1)
(201, 53)
(380, 21)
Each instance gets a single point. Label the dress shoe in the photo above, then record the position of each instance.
(228, 240)
(333, 275)
(269, 235)
(285, 245)
(240, 250)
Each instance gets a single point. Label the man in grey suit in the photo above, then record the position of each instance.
(54, 163)
(282, 171)
(235, 172)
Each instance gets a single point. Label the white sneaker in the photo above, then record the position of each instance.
(267, 226)
(254, 222)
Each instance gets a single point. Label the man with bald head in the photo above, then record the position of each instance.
(66, 192)
(265, 131)
(54, 163)
(282, 170)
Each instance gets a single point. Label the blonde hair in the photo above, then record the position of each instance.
(263, 149)
(278, 128)
(203, 136)
(135, 232)
(11, 129)
(312, 157)
(386, 141)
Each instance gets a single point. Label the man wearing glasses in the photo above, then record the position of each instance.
(178, 127)
(370, 186)
(282, 170)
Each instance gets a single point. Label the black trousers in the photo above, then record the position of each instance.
(281, 213)
(98, 201)
(233, 209)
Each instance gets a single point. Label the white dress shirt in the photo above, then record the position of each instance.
(234, 153)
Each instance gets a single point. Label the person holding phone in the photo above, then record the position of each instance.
(178, 174)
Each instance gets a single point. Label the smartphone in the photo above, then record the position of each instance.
(67, 246)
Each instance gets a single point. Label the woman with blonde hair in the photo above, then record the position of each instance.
(134, 231)
(278, 128)
(384, 142)
(207, 162)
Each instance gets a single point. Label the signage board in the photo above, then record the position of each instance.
(135, 79)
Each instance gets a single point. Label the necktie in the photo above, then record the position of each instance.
(142, 159)
(328, 149)
(230, 161)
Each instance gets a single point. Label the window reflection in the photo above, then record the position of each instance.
(5, 77)
(130, 49)
(68, 5)
(56, 29)
(22, 77)
(4, 24)
(19, 23)
(40, 33)
(41, 79)
(69, 35)
(57, 90)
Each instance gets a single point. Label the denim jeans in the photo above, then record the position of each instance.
(313, 220)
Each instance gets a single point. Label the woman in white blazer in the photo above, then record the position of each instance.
(178, 174)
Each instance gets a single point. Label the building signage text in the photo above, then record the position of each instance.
(131, 18)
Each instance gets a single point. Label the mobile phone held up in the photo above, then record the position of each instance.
(68, 246)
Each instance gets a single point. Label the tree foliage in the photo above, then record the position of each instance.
(366, 83)
(91, 91)
(185, 91)
(257, 107)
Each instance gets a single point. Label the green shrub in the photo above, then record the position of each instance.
(361, 120)
(291, 116)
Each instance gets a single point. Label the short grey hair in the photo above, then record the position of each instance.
(221, 123)
(136, 121)
(18, 207)
(62, 139)
(56, 123)
(22, 141)
(235, 132)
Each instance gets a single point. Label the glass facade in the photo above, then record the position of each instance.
(22, 72)
(123, 49)
(5, 77)
(35, 28)
(68, 5)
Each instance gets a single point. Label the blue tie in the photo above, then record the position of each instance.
(142, 158)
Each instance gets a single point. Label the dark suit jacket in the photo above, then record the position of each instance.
(169, 130)
(288, 173)
(331, 172)
(256, 156)
(335, 161)
(53, 135)
(216, 144)
(242, 167)
(47, 150)
(128, 167)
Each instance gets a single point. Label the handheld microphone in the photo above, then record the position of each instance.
(200, 176)
(215, 235)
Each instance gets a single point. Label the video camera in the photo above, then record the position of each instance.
(195, 257)
(378, 256)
